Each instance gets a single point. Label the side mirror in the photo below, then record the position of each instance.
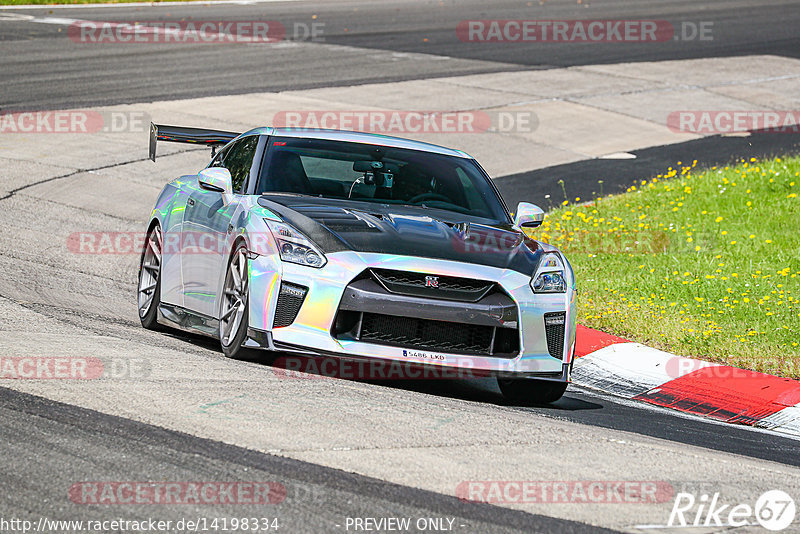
(528, 215)
(217, 179)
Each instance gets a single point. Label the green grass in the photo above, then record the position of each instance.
(703, 264)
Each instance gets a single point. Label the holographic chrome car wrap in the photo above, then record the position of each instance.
(192, 281)
(311, 330)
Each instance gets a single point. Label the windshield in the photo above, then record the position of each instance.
(378, 174)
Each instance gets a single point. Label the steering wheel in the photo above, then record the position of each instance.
(429, 196)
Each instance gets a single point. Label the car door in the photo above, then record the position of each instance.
(206, 224)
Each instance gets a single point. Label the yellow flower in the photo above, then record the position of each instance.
(718, 219)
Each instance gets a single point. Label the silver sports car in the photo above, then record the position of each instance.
(359, 247)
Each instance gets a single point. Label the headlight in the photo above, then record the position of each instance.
(294, 247)
(550, 275)
(550, 283)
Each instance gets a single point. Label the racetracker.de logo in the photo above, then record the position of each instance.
(725, 122)
(326, 368)
(83, 121)
(176, 243)
(177, 32)
(566, 492)
(566, 31)
(50, 368)
(410, 122)
(72, 368)
(177, 493)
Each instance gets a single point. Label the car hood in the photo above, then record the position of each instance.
(397, 230)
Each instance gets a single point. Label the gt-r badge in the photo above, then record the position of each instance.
(431, 281)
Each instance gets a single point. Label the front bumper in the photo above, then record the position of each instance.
(336, 287)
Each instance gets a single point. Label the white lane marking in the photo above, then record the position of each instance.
(146, 4)
(619, 155)
(14, 16)
(56, 20)
(380, 55)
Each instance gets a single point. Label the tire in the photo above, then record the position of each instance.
(530, 390)
(149, 284)
(235, 306)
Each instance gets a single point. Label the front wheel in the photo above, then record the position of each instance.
(235, 310)
(149, 287)
(530, 390)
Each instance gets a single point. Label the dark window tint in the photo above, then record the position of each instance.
(378, 175)
(238, 158)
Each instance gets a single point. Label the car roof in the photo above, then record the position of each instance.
(358, 137)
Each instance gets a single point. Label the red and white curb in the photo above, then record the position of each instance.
(729, 394)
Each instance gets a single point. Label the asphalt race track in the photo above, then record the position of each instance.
(384, 41)
(341, 448)
(316, 497)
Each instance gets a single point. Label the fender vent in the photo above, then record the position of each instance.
(554, 330)
(290, 299)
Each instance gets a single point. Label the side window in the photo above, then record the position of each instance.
(238, 158)
(217, 161)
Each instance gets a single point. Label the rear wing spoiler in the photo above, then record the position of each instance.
(197, 136)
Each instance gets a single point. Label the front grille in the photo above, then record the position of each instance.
(290, 298)
(432, 286)
(554, 330)
(440, 336)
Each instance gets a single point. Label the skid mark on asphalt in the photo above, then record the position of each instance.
(89, 170)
